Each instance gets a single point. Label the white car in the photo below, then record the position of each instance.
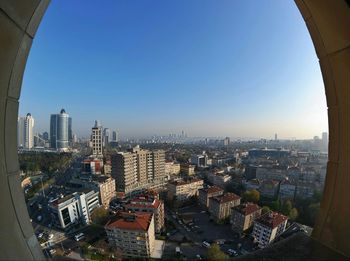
(205, 244)
(50, 236)
(39, 218)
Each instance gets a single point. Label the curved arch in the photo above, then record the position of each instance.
(327, 21)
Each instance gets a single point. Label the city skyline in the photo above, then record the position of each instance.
(160, 68)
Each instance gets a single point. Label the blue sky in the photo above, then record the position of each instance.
(211, 68)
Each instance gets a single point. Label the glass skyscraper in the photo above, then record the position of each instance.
(59, 135)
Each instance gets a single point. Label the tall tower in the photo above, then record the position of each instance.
(59, 130)
(70, 132)
(96, 140)
(25, 134)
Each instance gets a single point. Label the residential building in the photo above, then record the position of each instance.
(243, 216)
(150, 204)
(132, 233)
(138, 169)
(220, 206)
(97, 140)
(182, 190)
(106, 187)
(219, 178)
(274, 172)
(92, 166)
(25, 132)
(59, 137)
(171, 168)
(268, 227)
(269, 188)
(287, 190)
(251, 184)
(74, 208)
(187, 169)
(206, 193)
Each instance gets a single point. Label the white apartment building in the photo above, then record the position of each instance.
(133, 233)
(184, 189)
(74, 208)
(268, 227)
(25, 132)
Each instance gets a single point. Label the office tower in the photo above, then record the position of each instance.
(325, 141)
(45, 135)
(275, 136)
(25, 133)
(138, 169)
(115, 136)
(106, 136)
(226, 141)
(59, 130)
(70, 133)
(96, 140)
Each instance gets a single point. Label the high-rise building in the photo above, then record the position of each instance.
(325, 141)
(115, 136)
(138, 169)
(96, 140)
(70, 132)
(106, 136)
(59, 130)
(25, 135)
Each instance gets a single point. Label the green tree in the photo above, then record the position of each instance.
(293, 214)
(275, 205)
(100, 216)
(215, 254)
(251, 196)
(286, 207)
(264, 210)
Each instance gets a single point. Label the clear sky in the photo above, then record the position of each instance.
(212, 68)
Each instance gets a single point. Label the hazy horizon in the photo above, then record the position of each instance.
(228, 68)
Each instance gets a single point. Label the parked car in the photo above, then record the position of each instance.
(206, 244)
(232, 252)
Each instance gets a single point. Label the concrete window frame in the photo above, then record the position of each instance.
(328, 23)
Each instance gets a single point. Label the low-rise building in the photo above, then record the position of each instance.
(187, 169)
(219, 178)
(206, 193)
(92, 166)
(220, 206)
(150, 204)
(74, 208)
(132, 233)
(184, 189)
(251, 184)
(268, 227)
(243, 216)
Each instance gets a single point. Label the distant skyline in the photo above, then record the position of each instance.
(210, 68)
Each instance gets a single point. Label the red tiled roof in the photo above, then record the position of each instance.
(272, 219)
(227, 197)
(130, 221)
(247, 209)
